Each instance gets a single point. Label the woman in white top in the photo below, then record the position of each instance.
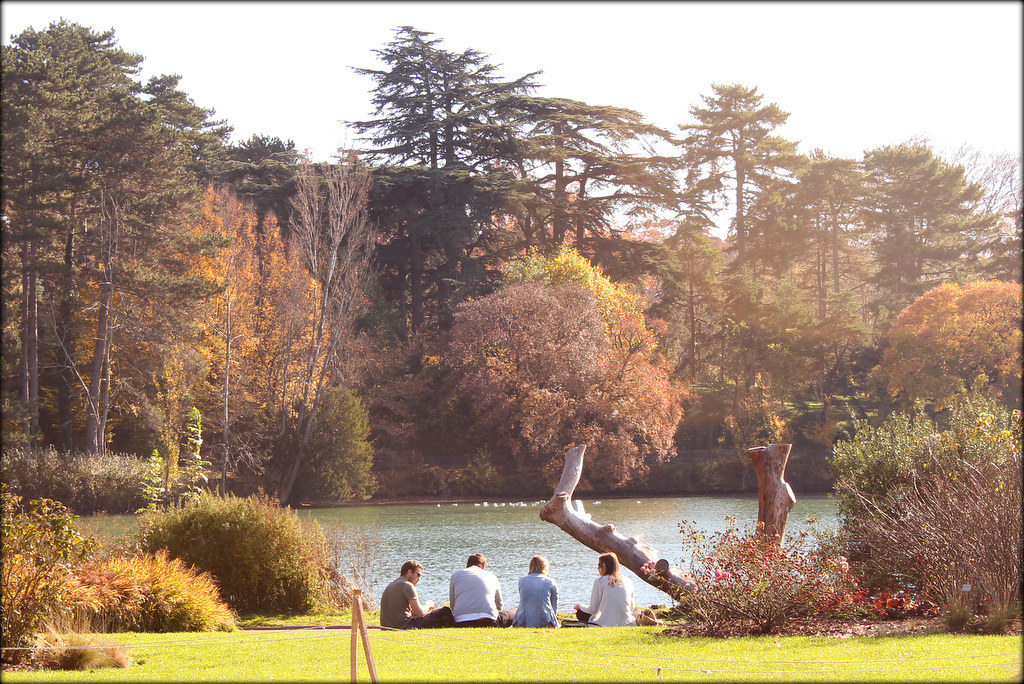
(611, 599)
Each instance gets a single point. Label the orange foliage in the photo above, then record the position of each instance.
(261, 307)
(951, 339)
(542, 370)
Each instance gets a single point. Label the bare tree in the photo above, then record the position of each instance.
(336, 238)
(1001, 175)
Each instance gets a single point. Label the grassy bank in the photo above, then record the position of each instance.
(611, 654)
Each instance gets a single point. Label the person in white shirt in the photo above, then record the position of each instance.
(474, 595)
(611, 600)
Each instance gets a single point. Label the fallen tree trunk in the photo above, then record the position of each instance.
(632, 553)
(775, 498)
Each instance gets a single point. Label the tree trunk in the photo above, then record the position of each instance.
(559, 209)
(30, 338)
(225, 429)
(403, 306)
(416, 280)
(741, 228)
(631, 552)
(68, 334)
(835, 256)
(93, 437)
(775, 497)
(692, 315)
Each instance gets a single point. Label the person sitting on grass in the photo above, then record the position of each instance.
(611, 598)
(475, 596)
(538, 597)
(400, 606)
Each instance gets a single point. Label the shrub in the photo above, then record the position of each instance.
(263, 557)
(85, 483)
(149, 593)
(746, 580)
(340, 458)
(66, 649)
(936, 509)
(41, 551)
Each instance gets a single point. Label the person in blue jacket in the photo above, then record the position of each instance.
(538, 597)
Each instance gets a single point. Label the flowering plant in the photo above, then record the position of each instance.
(649, 568)
(743, 577)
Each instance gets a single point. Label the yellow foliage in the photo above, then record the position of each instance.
(261, 308)
(619, 308)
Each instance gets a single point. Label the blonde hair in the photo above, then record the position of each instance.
(610, 563)
(539, 564)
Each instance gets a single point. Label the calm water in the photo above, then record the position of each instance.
(509, 533)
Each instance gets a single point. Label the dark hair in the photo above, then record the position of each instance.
(411, 565)
(610, 563)
(477, 559)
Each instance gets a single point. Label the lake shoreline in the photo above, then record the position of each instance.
(421, 501)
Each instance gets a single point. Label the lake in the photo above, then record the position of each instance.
(509, 533)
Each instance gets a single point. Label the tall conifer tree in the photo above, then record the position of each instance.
(922, 212)
(731, 143)
(444, 129)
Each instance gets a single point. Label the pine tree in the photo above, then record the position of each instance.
(262, 169)
(444, 131)
(731, 143)
(582, 163)
(829, 203)
(921, 214)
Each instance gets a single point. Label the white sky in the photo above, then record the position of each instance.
(854, 76)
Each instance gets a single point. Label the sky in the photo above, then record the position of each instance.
(853, 76)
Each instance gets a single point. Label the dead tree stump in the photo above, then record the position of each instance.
(775, 497)
(631, 552)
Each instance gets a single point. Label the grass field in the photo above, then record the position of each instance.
(610, 654)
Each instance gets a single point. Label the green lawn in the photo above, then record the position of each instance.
(609, 654)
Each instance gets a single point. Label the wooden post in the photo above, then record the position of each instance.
(356, 601)
(775, 497)
(357, 607)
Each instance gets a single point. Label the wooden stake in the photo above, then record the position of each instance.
(356, 600)
(358, 607)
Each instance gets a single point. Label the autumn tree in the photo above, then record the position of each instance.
(952, 339)
(559, 356)
(231, 339)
